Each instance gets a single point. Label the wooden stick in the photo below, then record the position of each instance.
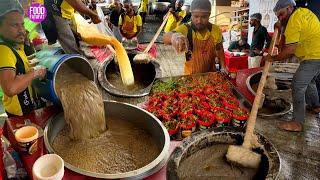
(254, 111)
(157, 34)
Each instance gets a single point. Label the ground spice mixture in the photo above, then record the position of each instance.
(85, 143)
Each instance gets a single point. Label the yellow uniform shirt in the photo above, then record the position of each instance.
(304, 28)
(172, 23)
(8, 61)
(215, 33)
(67, 10)
(143, 6)
(135, 20)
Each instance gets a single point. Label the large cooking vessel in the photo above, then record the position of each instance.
(144, 74)
(268, 169)
(278, 106)
(127, 112)
(160, 7)
(255, 78)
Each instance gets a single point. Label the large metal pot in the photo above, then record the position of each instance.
(268, 169)
(144, 74)
(278, 106)
(160, 7)
(127, 112)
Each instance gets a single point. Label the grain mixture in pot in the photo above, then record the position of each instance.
(210, 163)
(85, 143)
(82, 104)
(123, 147)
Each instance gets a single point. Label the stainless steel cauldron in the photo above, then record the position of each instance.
(268, 169)
(145, 74)
(127, 112)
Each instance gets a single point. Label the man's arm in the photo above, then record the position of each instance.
(121, 31)
(12, 84)
(167, 38)
(176, 16)
(79, 6)
(286, 52)
(138, 31)
(220, 54)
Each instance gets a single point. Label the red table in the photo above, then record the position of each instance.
(236, 62)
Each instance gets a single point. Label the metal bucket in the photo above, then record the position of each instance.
(126, 112)
(268, 169)
(46, 88)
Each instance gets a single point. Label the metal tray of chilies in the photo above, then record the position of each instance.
(242, 100)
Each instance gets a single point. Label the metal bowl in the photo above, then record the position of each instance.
(127, 112)
(145, 74)
(279, 106)
(255, 78)
(268, 169)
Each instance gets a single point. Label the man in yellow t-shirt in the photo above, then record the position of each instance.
(201, 40)
(15, 73)
(175, 17)
(130, 23)
(57, 25)
(143, 9)
(302, 37)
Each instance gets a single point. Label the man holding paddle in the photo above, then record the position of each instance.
(302, 37)
(201, 40)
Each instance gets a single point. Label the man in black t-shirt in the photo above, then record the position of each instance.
(260, 40)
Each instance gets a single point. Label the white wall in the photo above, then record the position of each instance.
(265, 7)
(224, 19)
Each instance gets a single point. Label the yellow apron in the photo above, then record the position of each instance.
(203, 57)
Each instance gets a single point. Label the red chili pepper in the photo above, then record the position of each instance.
(220, 112)
(243, 117)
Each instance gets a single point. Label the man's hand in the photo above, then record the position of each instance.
(179, 42)
(39, 71)
(95, 19)
(268, 57)
(257, 51)
(171, 10)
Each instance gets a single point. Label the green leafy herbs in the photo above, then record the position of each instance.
(161, 86)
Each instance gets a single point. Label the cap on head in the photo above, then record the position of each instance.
(256, 16)
(283, 4)
(201, 6)
(7, 6)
